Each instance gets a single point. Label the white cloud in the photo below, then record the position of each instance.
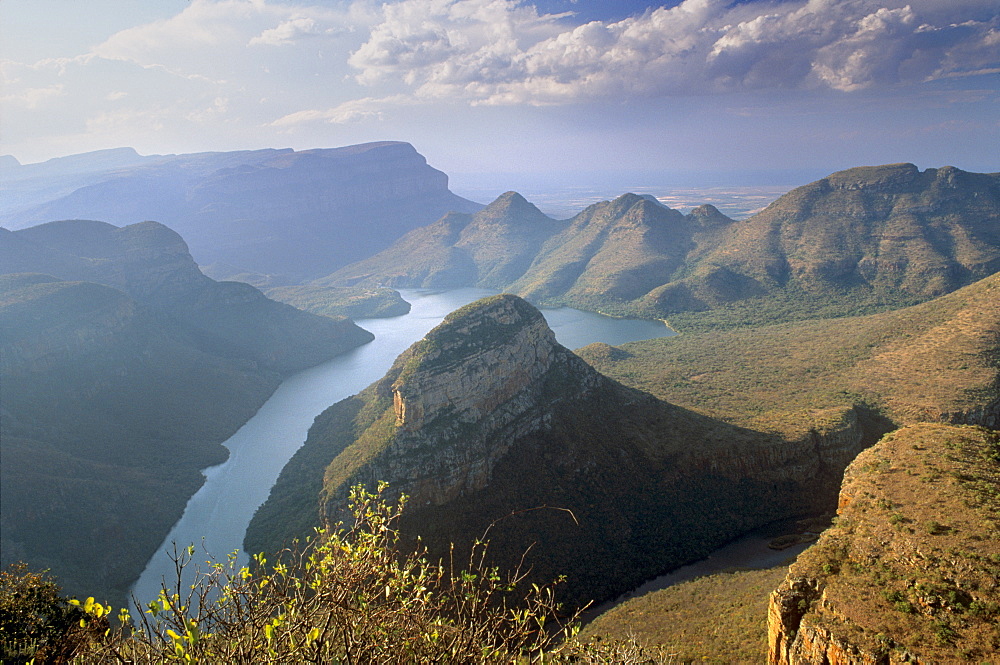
(504, 52)
(287, 32)
(33, 98)
(356, 110)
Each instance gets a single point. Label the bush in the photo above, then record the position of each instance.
(350, 595)
(35, 621)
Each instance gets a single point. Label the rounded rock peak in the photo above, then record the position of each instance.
(502, 308)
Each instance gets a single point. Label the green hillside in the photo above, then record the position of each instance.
(492, 428)
(859, 241)
(115, 394)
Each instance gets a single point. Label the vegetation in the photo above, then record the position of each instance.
(719, 618)
(559, 434)
(857, 242)
(352, 302)
(937, 358)
(119, 385)
(351, 596)
(912, 563)
(36, 622)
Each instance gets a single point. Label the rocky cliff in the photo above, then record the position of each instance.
(909, 573)
(489, 424)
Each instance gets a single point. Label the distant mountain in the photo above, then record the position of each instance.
(493, 428)
(615, 252)
(606, 257)
(489, 249)
(121, 372)
(884, 235)
(268, 211)
(859, 240)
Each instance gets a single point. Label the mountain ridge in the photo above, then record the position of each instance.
(268, 211)
(123, 370)
(861, 240)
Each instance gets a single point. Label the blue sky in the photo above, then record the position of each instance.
(509, 87)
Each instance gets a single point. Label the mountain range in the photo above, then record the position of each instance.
(123, 369)
(859, 240)
(862, 304)
(290, 215)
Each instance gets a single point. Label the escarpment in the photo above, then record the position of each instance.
(489, 425)
(909, 573)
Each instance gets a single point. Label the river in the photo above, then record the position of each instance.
(216, 517)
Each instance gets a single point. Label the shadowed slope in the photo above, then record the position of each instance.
(487, 420)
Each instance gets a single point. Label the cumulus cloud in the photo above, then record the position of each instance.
(505, 52)
(34, 98)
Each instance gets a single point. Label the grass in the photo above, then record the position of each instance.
(925, 583)
(936, 358)
(354, 302)
(719, 618)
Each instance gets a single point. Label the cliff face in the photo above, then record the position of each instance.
(464, 397)
(488, 423)
(909, 572)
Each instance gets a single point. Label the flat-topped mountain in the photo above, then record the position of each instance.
(488, 423)
(882, 236)
(121, 372)
(270, 211)
(860, 240)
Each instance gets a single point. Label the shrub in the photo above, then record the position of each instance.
(350, 595)
(35, 621)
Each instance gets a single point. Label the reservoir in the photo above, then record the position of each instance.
(216, 517)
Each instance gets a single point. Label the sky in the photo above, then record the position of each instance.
(510, 88)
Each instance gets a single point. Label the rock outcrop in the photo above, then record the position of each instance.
(488, 424)
(909, 573)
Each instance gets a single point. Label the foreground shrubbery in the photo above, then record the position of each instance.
(350, 596)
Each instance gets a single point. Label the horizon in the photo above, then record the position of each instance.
(488, 88)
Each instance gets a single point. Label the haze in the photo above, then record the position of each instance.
(502, 94)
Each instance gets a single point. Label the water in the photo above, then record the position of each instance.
(216, 517)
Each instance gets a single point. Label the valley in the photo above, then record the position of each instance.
(216, 517)
(852, 324)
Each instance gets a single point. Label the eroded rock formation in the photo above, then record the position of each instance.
(909, 573)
